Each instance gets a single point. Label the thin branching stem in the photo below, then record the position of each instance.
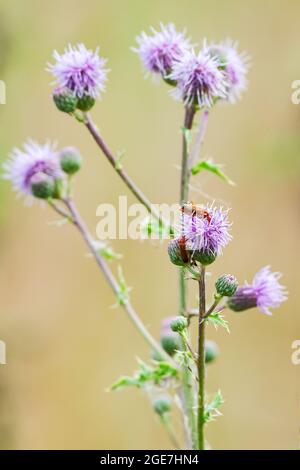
(118, 167)
(165, 420)
(75, 217)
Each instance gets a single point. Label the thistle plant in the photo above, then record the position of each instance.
(174, 374)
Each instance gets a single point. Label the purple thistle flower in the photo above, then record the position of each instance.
(199, 78)
(265, 292)
(23, 165)
(159, 51)
(206, 233)
(235, 66)
(79, 70)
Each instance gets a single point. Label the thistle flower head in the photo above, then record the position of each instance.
(80, 71)
(208, 233)
(199, 78)
(235, 66)
(159, 51)
(23, 165)
(265, 292)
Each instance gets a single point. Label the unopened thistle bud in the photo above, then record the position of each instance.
(179, 324)
(65, 100)
(226, 285)
(162, 405)
(204, 256)
(42, 186)
(85, 103)
(177, 252)
(211, 351)
(70, 160)
(169, 340)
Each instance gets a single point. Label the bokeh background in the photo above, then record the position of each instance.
(65, 345)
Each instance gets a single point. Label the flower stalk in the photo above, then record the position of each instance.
(187, 376)
(132, 186)
(201, 360)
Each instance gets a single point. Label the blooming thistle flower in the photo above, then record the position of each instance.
(206, 233)
(28, 166)
(159, 51)
(235, 66)
(80, 71)
(199, 78)
(265, 292)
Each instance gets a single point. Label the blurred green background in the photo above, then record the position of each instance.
(65, 345)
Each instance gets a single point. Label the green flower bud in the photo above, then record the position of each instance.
(179, 324)
(171, 343)
(177, 253)
(85, 103)
(205, 257)
(70, 160)
(226, 285)
(65, 100)
(162, 405)
(211, 351)
(155, 355)
(42, 185)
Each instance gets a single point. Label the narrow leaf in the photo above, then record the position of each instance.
(218, 320)
(106, 251)
(212, 408)
(213, 168)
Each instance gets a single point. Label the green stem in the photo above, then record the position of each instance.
(187, 376)
(131, 185)
(75, 217)
(214, 305)
(165, 420)
(201, 361)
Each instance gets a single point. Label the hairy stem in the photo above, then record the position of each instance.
(199, 139)
(201, 360)
(165, 420)
(136, 191)
(187, 376)
(81, 226)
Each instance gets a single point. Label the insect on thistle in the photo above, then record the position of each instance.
(193, 210)
(190, 208)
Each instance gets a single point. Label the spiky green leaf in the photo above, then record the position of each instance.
(206, 165)
(105, 250)
(212, 408)
(146, 374)
(217, 319)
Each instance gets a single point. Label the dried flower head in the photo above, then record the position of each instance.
(208, 233)
(265, 292)
(199, 78)
(235, 66)
(79, 70)
(23, 166)
(159, 51)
